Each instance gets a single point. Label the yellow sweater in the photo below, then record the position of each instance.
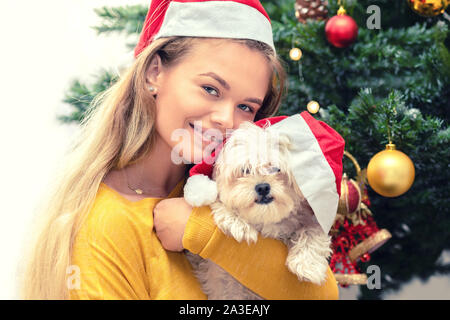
(120, 257)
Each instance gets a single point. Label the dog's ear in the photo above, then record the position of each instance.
(285, 142)
(215, 172)
(306, 207)
(247, 125)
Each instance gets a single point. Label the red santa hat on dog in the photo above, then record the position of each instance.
(237, 19)
(315, 159)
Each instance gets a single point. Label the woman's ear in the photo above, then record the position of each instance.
(153, 74)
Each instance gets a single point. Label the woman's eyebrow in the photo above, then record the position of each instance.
(227, 86)
(216, 77)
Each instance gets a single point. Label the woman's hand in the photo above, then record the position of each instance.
(169, 219)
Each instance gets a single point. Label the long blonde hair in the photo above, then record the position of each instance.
(118, 130)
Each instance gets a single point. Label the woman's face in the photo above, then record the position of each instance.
(213, 89)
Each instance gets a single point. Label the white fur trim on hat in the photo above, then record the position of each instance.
(217, 19)
(200, 190)
(311, 170)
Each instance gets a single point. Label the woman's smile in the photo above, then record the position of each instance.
(207, 135)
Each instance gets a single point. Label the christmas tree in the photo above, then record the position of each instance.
(391, 83)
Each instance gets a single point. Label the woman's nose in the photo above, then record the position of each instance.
(223, 117)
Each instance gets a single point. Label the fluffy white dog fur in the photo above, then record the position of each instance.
(257, 194)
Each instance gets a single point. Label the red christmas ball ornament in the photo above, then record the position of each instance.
(350, 198)
(341, 30)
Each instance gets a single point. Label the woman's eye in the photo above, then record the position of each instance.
(211, 88)
(245, 108)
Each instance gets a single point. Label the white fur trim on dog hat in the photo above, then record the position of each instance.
(316, 154)
(236, 19)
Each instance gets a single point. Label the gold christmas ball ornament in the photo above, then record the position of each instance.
(428, 8)
(295, 54)
(313, 106)
(390, 172)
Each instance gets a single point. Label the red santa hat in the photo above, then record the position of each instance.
(238, 19)
(315, 159)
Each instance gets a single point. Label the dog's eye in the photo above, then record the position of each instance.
(245, 171)
(274, 170)
(269, 170)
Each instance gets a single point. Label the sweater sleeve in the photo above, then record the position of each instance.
(260, 266)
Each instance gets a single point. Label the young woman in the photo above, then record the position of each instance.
(99, 239)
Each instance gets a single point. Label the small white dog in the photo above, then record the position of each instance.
(257, 193)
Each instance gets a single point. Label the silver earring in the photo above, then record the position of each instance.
(152, 89)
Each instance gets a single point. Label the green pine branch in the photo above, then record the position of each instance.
(412, 60)
(81, 95)
(128, 19)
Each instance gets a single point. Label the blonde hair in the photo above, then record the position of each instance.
(117, 131)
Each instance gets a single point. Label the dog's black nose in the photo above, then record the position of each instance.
(262, 189)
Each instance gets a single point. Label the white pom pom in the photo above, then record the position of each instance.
(200, 190)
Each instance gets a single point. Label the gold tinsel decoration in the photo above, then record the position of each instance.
(347, 279)
(370, 244)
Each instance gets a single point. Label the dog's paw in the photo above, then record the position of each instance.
(241, 230)
(307, 270)
(238, 229)
(233, 226)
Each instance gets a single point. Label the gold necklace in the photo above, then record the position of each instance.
(137, 191)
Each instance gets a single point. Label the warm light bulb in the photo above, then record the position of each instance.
(313, 106)
(295, 54)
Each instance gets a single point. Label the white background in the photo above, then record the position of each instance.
(45, 45)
